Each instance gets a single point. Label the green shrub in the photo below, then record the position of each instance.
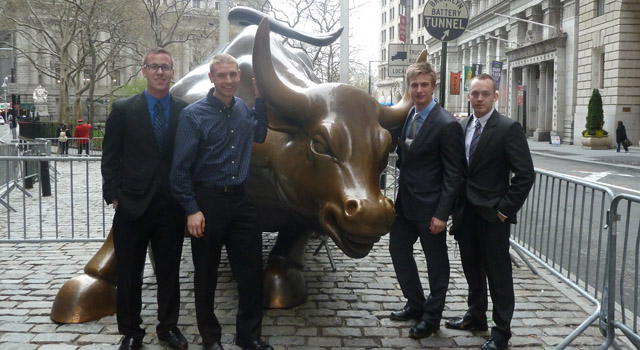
(595, 116)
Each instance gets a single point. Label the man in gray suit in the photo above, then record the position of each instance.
(496, 148)
(430, 159)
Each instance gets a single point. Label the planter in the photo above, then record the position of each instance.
(595, 142)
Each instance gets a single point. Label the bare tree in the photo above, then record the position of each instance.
(315, 16)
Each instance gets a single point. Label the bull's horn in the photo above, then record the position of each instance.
(393, 117)
(245, 16)
(287, 101)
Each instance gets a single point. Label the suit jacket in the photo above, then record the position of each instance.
(431, 169)
(133, 166)
(501, 151)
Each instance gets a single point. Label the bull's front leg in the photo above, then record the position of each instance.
(284, 284)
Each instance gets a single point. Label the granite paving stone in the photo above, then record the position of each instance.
(345, 310)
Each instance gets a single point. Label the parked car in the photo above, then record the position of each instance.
(1, 120)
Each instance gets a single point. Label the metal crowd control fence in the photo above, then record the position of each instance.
(74, 210)
(95, 144)
(564, 226)
(624, 263)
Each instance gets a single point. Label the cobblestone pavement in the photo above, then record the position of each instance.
(346, 309)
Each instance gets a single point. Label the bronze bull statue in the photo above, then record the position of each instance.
(318, 171)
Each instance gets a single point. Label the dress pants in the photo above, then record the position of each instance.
(404, 234)
(484, 251)
(162, 225)
(230, 221)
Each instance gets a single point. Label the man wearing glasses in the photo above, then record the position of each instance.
(136, 161)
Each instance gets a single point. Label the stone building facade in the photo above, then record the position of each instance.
(553, 53)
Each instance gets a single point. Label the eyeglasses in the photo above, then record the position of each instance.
(154, 67)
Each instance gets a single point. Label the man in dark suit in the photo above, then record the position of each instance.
(496, 147)
(430, 159)
(136, 161)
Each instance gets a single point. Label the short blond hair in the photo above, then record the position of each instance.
(421, 68)
(222, 58)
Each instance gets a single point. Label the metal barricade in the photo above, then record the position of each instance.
(562, 226)
(623, 266)
(74, 212)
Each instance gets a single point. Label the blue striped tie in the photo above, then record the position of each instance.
(474, 139)
(159, 124)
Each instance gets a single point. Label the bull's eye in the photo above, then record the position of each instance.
(319, 147)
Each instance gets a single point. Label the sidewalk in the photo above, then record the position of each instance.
(575, 152)
(346, 310)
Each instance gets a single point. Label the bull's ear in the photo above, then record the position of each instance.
(279, 123)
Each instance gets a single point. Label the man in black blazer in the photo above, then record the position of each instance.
(136, 161)
(430, 159)
(496, 148)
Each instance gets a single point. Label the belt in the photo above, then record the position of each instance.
(216, 188)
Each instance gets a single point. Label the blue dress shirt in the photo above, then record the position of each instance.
(213, 145)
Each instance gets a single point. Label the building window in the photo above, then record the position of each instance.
(392, 33)
(391, 13)
(384, 36)
(599, 7)
(196, 3)
(384, 17)
(411, 25)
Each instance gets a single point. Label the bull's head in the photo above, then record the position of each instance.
(335, 150)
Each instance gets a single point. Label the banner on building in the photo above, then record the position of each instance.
(477, 69)
(454, 85)
(468, 74)
(496, 71)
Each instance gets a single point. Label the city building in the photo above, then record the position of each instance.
(548, 55)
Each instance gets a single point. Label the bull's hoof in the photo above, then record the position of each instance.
(84, 298)
(284, 285)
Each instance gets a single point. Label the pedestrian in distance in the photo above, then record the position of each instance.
(63, 139)
(81, 135)
(430, 158)
(210, 166)
(621, 137)
(498, 176)
(136, 162)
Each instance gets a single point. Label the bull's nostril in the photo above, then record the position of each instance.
(351, 207)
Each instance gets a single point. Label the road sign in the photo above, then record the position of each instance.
(401, 56)
(13, 88)
(520, 95)
(445, 20)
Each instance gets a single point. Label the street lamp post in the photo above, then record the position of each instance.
(4, 86)
(370, 73)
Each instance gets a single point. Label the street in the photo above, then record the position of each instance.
(620, 179)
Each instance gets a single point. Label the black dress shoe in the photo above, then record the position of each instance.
(423, 330)
(466, 324)
(130, 343)
(406, 313)
(212, 346)
(257, 345)
(493, 345)
(174, 339)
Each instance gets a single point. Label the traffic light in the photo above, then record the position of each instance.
(18, 99)
(13, 99)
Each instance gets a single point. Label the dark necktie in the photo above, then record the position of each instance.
(158, 124)
(474, 139)
(414, 126)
